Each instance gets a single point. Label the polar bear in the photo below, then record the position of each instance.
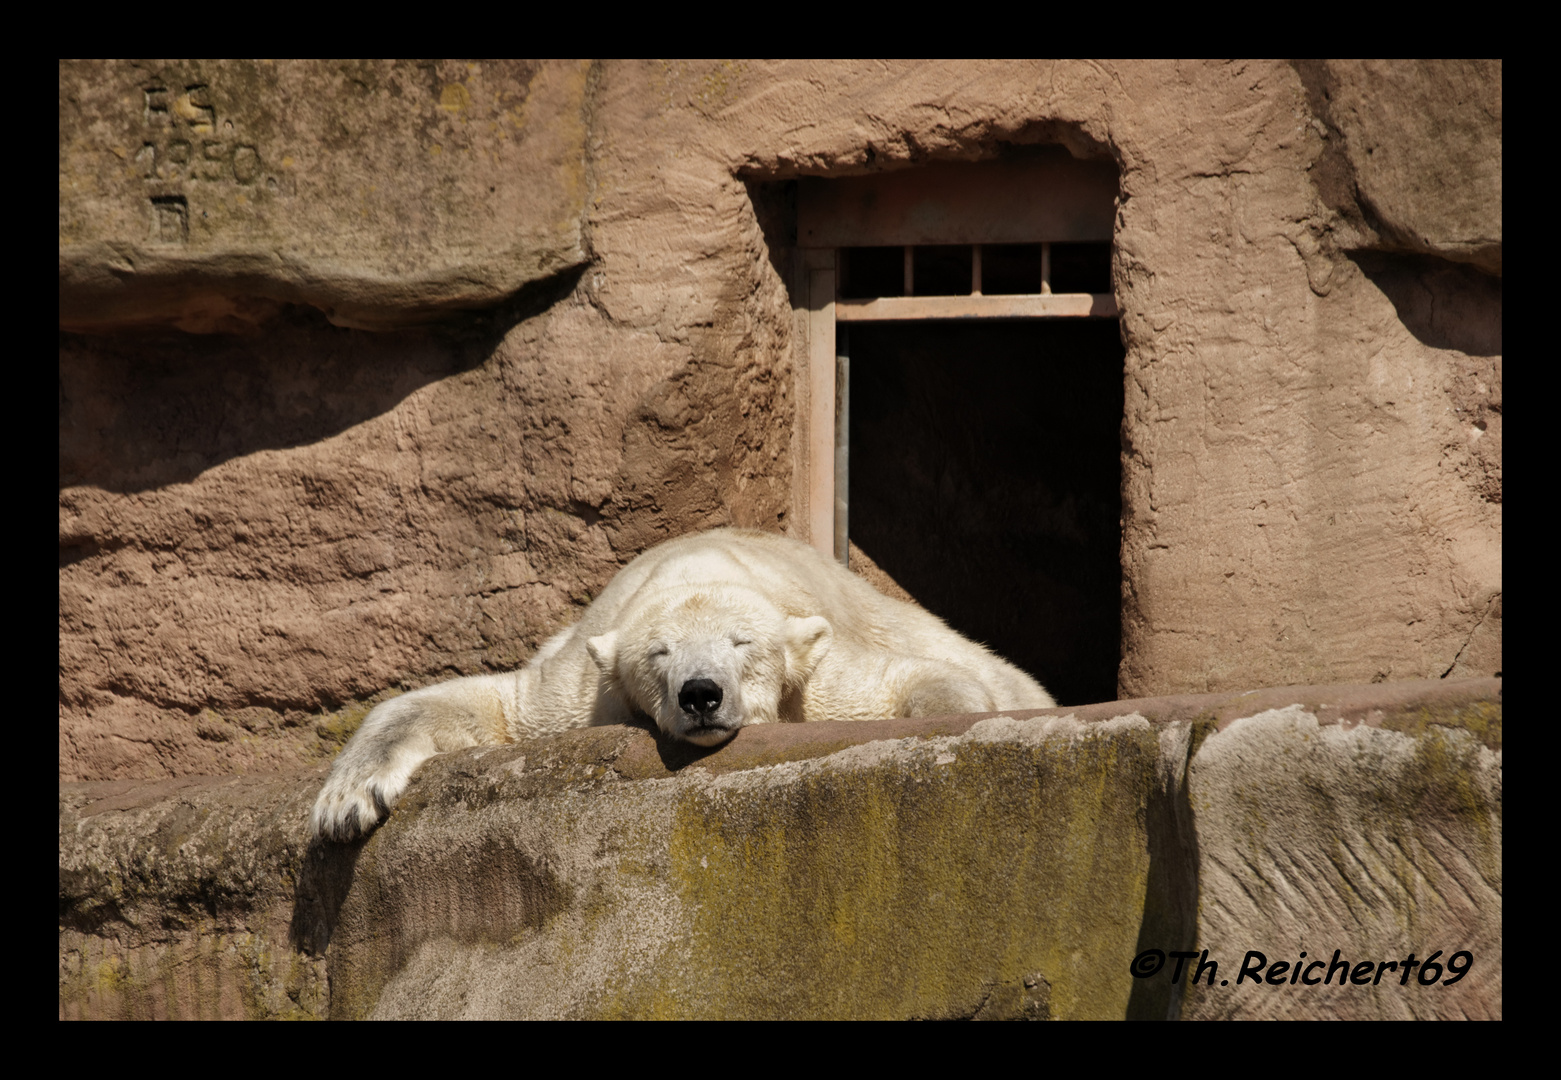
(703, 635)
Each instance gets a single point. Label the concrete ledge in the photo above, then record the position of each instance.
(984, 867)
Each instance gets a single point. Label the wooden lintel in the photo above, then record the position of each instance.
(1036, 306)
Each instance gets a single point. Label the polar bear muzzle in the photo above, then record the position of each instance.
(703, 721)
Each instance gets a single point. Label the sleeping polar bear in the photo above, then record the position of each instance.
(703, 635)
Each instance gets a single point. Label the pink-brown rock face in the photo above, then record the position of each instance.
(468, 337)
(205, 195)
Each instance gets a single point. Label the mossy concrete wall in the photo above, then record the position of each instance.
(178, 899)
(972, 867)
(1370, 843)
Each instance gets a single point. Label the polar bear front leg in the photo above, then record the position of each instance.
(373, 770)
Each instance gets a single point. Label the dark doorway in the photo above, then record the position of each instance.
(985, 480)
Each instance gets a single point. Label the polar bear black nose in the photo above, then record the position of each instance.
(699, 696)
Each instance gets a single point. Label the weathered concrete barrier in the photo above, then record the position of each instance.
(1012, 866)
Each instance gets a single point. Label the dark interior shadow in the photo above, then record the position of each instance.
(986, 480)
(1445, 305)
(142, 410)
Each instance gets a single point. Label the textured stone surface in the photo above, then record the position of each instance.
(1351, 845)
(978, 867)
(1414, 159)
(178, 898)
(261, 532)
(205, 194)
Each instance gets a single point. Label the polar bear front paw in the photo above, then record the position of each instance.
(355, 800)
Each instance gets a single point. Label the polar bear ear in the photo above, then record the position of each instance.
(807, 640)
(604, 650)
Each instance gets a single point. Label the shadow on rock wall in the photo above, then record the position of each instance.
(142, 411)
(1445, 305)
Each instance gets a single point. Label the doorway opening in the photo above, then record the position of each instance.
(964, 389)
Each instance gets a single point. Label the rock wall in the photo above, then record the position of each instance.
(1022, 866)
(207, 195)
(374, 374)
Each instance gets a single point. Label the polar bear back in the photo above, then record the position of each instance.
(800, 582)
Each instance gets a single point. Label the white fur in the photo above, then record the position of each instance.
(747, 627)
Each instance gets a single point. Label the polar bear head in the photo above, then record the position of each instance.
(705, 661)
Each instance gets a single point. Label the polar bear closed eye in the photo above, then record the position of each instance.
(704, 635)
